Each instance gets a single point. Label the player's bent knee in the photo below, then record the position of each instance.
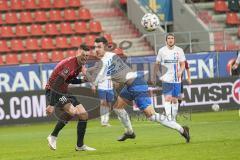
(83, 116)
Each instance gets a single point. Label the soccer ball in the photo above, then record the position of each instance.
(215, 107)
(150, 21)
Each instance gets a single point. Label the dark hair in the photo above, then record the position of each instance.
(84, 47)
(101, 39)
(169, 34)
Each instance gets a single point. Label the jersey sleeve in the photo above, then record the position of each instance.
(159, 56)
(182, 57)
(64, 73)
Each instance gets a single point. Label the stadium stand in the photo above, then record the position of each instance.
(60, 26)
(221, 15)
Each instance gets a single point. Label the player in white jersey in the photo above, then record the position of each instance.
(173, 58)
(106, 96)
(135, 88)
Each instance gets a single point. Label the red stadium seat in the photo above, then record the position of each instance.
(32, 44)
(26, 17)
(21, 31)
(47, 43)
(81, 28)
(232, 18)
(70, 53)
(123, 2)
(84, 14)
(69, 15)
(57, 56)
(45, 4)
(17, 45)
(3, 46)
(3, 5)
(16, 5)
(61, 42)
(232, 46)
(40, 16)
(36, 30)
(51, 29)
(220, 6)
(89, 40)
(95, 27)
(27, 58)
(11, 59)
(30, 4)
(74, 3)
(75, 41)
(59, 4)
(1, 60)
(55, 15)
(109, 38)
(11, 18)
(65, 28)
(1, 20)
(42, 57)
(6, 32)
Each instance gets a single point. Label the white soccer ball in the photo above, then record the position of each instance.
(215, 107)
(150, 21)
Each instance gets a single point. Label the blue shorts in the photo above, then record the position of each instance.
(137, 91)
(172, 89)
(107, 95)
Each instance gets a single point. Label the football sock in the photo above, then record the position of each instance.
(168, 110)
(124, 118)
(174, 110)
(81, 129)
(104, 113)
(58, 127)
(166, 122)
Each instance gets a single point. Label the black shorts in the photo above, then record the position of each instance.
(60, 99)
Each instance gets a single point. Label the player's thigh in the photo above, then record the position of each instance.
(120, 103)
(176, 92)
(81, 112)
(70, 109)
(167, 91)
(149, 111)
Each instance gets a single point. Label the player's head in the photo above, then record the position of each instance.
(100, 45)
(170, 40)
(83, 53)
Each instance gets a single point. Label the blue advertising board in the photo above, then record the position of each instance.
(35, 76)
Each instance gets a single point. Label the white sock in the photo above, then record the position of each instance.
(106, 117)
(168, 110)
(174, 111)
(166, 122)
(124, 118)
(104, 113)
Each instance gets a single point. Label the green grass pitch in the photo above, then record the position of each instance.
(214, 136)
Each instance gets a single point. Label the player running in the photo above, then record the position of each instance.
(65, 72)
(135, 88)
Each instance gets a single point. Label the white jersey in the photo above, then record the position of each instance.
(112, 65)
(106, 84)
(170, 58)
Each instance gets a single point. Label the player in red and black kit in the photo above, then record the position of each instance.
(66, 72)
(188, 80)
